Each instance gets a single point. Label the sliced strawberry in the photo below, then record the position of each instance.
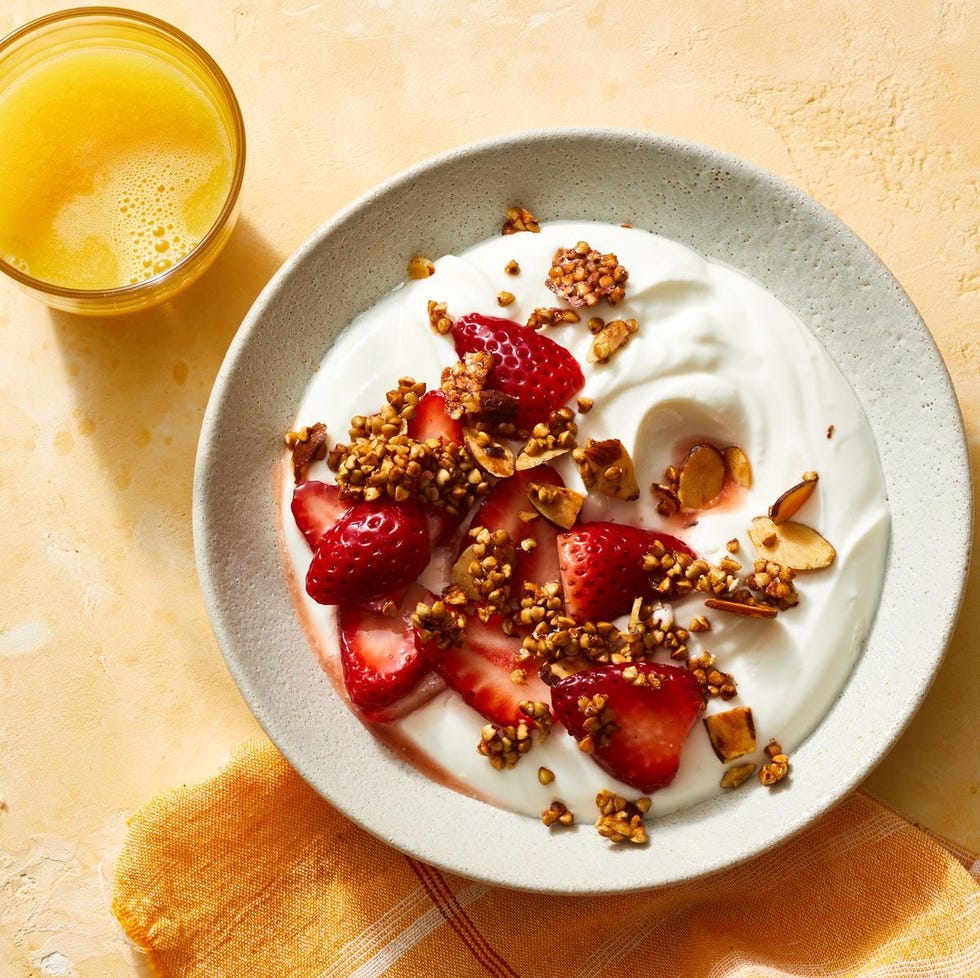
(431, 421)
(531, 367)
(480, 670)
(382, 658)
(316, 507)
(373, 550)
(654, 719)
(602, 567)
(501, 510)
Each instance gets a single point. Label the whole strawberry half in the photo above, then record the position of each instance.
(385, 672)
(602, 567)
(654, 719)
(374, 549)
(481, 669)
(540, 374)
(501, 510)
(317, 506)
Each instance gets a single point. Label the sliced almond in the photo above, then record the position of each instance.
(732, 733)
(738, 465)
(606, 468)
(527, 460)
(462, 573)
(741, 608)
(737, 774)
(556, 503)
(785, 507)
(701, 477)
(492, 456)
(791, 544)
(668, 502)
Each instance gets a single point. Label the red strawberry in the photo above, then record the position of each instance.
(381, 655)
(531, 367)
(654, 719)
(602, 567)
(501, 510)
(480, 671)
(431, 421)
(316, 507)
(374, 549)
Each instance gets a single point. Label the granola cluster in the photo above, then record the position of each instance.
(583, 276)
(382, 461)
(549, 439)
(621, 820)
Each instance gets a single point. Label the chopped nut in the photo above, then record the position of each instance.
(584, 404)
(505, 298)
(556, 503)
(484, 569)
(539, 714)
(701, 477)
(733, 546)
(600, 722)
(732, 733)
(439, 623)
(512, 268)
(439, 318)
(519, 219)
(775, 583)
(549, 439)
(738, 465)
(621, 820)
(737, 774)
(551, 316)
(419, 267)
(545, 775)
(713, 682)
(606, 468)
(308, 445)
(557, 814)
(611, 337)
(492, 456)
(583, 276)
(742, 608)
(786, 506)
(462, 383)
(504, 746)
(668, 502)
(777, 767)
(791, 544)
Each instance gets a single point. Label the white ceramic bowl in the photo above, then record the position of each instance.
(721, 207)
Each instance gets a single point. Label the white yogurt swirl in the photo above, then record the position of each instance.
(716, 358)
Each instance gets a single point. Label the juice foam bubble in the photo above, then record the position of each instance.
(139, 215)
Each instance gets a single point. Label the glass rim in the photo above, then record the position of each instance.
(226, 93)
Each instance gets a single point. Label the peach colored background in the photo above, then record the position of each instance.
(111, 685)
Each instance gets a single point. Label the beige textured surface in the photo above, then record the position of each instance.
(111, 686)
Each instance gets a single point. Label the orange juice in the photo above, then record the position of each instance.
(119, 157)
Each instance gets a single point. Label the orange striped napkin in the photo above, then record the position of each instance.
(253, 875)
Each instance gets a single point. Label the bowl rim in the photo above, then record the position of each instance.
(120, 294)
(790, 821)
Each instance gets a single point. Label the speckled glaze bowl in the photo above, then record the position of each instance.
(723, 208)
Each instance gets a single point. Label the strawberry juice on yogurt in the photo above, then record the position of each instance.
(698, 359)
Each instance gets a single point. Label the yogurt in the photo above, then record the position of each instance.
(716, 358)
